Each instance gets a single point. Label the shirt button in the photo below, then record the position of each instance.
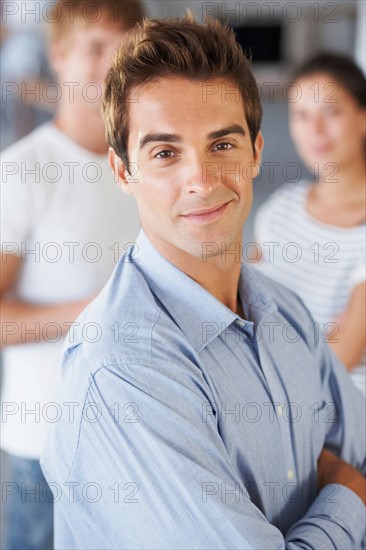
(290, 474)
(279, 410)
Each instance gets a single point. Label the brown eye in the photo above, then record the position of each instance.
(300, 115)
(224, 146)
(165, 154)
(331, 111)
(95, 49)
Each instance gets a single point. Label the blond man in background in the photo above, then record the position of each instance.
(64, 225)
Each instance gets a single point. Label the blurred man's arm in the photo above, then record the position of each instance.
(22, 322)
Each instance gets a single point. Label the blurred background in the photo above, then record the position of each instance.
(278, 36)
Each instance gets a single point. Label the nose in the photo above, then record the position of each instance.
(202, 175)
(317, 124)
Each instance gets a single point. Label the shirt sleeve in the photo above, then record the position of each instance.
(151, 471)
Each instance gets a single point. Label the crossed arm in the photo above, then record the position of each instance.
(169, 456)
(350, 341)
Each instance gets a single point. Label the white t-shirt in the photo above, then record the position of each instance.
(320, 262)
(64, 214)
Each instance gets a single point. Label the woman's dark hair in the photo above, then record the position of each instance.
(341, 68)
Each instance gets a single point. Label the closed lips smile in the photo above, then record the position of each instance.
(206, 214)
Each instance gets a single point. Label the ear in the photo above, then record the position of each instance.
(258, 148)
(121, 175)
(56, 54)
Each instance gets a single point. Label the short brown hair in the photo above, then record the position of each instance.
(123, 13)
(175, 47)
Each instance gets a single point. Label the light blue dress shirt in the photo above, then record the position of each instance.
(183, 426)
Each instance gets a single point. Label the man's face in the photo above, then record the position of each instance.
(83, 57)
(326, 123)
(195, 164)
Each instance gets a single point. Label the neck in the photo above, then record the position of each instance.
(347, 183)
(217, 274)
(85, 128)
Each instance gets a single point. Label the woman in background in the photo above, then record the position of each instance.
(317, 230)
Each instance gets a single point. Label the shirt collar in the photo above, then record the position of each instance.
(190, 305)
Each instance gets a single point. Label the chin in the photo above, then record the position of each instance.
(211, 245)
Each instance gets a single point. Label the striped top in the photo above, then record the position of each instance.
(322, 263)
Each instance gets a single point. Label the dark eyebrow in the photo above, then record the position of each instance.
(173, 138)
(152, 137)
(233, 129)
